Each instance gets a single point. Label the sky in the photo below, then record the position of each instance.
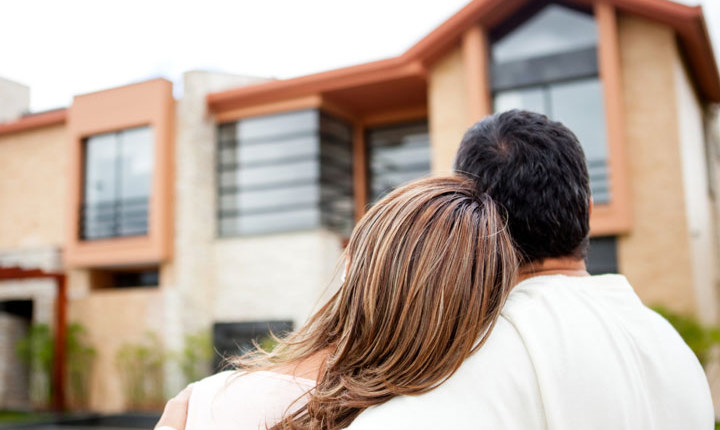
(63, 48)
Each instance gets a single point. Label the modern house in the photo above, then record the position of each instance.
(229, 207)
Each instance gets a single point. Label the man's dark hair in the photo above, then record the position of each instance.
(535, 168)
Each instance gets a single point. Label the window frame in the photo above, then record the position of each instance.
(317, 157)
(117, 203)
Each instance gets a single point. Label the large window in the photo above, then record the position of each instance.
(118, 178)
(291, 171)
(548, 64)
(397, 154)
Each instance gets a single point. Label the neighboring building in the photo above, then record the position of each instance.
(232, 204)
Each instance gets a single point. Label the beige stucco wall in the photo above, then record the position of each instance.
(113, 318)
(448, 110)
(32, 188)
(656, 255)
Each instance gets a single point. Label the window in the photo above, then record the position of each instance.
(235, 338)
(549, 65)
(125, 278)
(118, 178)
(397, 154)
(602, 255)
(284, 172)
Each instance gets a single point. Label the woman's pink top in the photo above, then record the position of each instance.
(244, 401)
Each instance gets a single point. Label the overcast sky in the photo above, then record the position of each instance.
(63, 48)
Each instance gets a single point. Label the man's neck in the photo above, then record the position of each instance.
(553, 266)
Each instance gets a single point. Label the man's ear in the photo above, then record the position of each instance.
(592, 205)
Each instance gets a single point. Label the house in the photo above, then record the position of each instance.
(229, 207)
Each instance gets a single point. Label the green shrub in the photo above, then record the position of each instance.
(35, 351)
(700, 338)
(196, 356)
(80, 358)
(141, 369)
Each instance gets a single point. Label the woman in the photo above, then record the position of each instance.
(429, 268)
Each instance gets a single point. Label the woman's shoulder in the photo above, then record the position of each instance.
(236, 399)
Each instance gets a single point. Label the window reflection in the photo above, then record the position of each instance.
(285, 172)
(548, 65)
(118, 178)
(553, 30)
(397, 154)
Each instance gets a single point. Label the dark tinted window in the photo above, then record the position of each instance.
(236, 338)
(602, 255)
(397, 154)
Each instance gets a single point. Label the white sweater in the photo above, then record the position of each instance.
(568, 353)
(235, 401)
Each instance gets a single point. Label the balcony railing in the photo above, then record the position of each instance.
(119, 218)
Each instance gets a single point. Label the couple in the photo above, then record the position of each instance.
(466, 304)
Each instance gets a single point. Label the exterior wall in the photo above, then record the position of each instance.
(14, 392)
(148, 103)
(448, 110)
(14, 100)
(113, 318)
(656, 255)
(698, 205)
(280, 276)
(33, 167)
(274, 276)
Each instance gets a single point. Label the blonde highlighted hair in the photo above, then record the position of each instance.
(430, 267)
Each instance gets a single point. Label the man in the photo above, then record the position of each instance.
(570, 351)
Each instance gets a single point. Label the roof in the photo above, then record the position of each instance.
(35, 120)
(687, 21)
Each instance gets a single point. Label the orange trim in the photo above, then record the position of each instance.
(360, 169)
(147, 103)
(393, 68)
(37, 120)
(395, 116)
(686, 20)
(477, 73)
(307, 102)
(616, 217)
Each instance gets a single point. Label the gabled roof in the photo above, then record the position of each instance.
(687, 21)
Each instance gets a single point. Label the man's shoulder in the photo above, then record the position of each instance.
(497, 383)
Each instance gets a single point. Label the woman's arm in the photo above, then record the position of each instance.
(175, 413)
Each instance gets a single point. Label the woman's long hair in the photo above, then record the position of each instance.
(431, 265)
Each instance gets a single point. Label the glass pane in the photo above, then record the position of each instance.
(136, 163)
(555, 29)
(277, 125)
(273, 222)
(531, 99)
(398, 154)
(100, 168)
(273, 175)
(268, 200)
(579, 105)
(295, 147)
